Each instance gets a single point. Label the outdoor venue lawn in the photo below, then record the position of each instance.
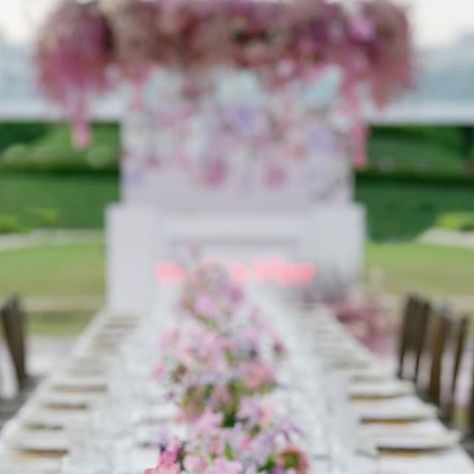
(58, 323)
(76, 198)
(430, 269)
(416, 174)
(53, 270)
(78, 269)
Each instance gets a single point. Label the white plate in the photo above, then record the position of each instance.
(402, 409)
(369, 374)
(71, 382)
(418, 436)
(14, 462)
(417, 442)
(384, 389)
(37, 416)
(16, 436)
(162, 412)
(52, 398)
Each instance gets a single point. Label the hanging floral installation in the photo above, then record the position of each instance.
(88, 48)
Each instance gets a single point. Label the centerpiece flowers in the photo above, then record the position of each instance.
(220, 361)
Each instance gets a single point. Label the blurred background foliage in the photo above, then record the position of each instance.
(418, 177)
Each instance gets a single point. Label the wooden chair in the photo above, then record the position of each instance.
(420, 330)
(459, 332)
(416, 316)
(470, 430)
(405, 330)
(441, 359)
(440, 330)
(14, 333)
(468, 441)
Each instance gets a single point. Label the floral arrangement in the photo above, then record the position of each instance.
(84, 44)
(368, 316)
(210, 295)
(220, 362)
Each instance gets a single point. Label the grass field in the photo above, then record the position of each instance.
(396, 210)
(50, 271)
(59, 270)
(401, 210)
(78, 198)
(41, 174)
(429, 269)
(58, 323)
(78, 269)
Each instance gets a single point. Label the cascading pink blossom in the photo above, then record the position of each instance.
(73, 55)
(81, 44)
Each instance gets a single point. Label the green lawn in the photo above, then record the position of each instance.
(49, 323)
(78, 269)
(419, 175)
(397, 210)
(59, 270)
(78, 198)
(430, 269)
(75, 269)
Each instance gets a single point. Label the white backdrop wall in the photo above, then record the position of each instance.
(187, 182)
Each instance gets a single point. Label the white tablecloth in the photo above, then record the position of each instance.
(112, 327)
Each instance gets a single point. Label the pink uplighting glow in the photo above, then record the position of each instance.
(275, 270)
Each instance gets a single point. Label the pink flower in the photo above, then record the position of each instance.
(194, 463)
(215, 173)
(244, 442)
(235, 294)
(158, 372)
(208, 424)
(275, 176)
(170, 338)
(256, 374)
(257, 410)
(166, 463)
(205, 306)
(164, 469)
(169, 456)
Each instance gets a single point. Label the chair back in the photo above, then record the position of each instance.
(405, 331)
(441, 327)
(14, 332)
(416, 315)
(420, 330)
(459, 331)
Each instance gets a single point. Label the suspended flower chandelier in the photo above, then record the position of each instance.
(89, 48)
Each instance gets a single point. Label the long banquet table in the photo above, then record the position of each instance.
(392, 418)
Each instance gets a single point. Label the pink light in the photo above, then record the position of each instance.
(266, 269)
(170, 272)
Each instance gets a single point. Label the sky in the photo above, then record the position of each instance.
(436, 22)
